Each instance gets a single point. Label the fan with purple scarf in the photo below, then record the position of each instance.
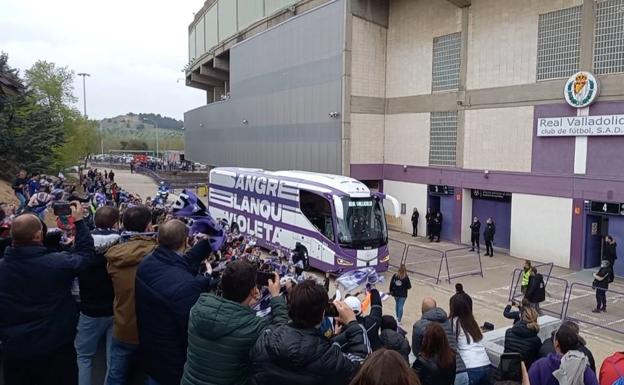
(189, 206)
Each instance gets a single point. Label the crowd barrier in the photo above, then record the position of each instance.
(425, 261)
(461, 262)
(581, 302)
(557, 292)
(545, 269)
(397, 250)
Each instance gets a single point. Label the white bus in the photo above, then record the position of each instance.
(338, 221)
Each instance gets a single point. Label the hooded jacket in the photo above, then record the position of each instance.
(548, 347)
(393, 340)
(521, 339)
(167, 286)
(371, 322)
(96, 287)
(418, 331)
(542, 371)
(296, 356)
(220, 335)
(38, 314)
(430, 373)
(123, 261)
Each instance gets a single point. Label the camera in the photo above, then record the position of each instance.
(62, 209)
(263, 277)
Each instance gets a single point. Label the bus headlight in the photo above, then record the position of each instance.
(385, 259)
(343, 262)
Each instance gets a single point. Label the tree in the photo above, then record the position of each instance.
(52, 86)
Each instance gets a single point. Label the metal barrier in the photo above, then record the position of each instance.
(396, 258)
(581, 302)
(545, 269)
(462, 263)
(425, 261)
(557, 294)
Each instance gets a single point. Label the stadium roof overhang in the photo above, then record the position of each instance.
(461, 3)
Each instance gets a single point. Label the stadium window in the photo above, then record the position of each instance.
(443, 139)
(558, 43)
(446, 62)
(609, 40)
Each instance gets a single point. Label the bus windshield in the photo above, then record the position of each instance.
(363, 225)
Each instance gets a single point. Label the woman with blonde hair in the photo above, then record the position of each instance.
(522, 337)
(385, 367)
(399, 285)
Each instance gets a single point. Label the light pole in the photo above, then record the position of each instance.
(84, 91)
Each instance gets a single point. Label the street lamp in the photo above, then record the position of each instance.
(84, 91)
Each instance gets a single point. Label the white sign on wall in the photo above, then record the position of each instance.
(598, 125)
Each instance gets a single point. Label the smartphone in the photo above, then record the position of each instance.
(263, 277)
(510, 367)
(62, 209)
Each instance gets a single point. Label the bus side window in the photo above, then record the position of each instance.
(318, 211)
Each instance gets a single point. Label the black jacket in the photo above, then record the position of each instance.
(511, 314)
(96, 287)
(536, 291)
(609, 253)
(399, 287)
(371, 322)
(415, 216)
(475, 228)
(548, 347)
(431, 374)
(296, 356)
(488, 233)
(521, 339)
(37, 311)
(439, 316)
(393, 340)
(604, 284)
(166, 287)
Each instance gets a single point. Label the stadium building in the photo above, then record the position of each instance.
(510, 109)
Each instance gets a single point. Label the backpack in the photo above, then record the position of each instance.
(540, 294)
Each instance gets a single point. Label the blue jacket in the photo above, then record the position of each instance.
(167, 285)
(37, 312)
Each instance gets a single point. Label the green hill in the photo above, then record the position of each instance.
(141, 130)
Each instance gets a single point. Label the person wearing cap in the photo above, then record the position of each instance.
(371, 322)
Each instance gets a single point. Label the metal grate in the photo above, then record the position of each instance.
(558, 43)
(443, 143)
(446, 61)
(609, 45)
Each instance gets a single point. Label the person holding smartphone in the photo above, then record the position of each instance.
(38, 315)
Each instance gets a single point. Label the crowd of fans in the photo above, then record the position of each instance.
(188, 300)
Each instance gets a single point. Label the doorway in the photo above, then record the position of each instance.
(596, 227)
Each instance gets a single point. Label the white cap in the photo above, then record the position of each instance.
(354, 303)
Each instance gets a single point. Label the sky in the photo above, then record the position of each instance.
(133, 49)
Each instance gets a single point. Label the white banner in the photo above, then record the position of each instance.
(598, 125)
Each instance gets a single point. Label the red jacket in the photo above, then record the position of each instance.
(612, 369)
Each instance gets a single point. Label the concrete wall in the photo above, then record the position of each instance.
(368, 71)
(277, 116)
(407, 139)
(498, 139)
(502, 45)
(541, 228)
(367, 133)
(413, 195)
(412, 27)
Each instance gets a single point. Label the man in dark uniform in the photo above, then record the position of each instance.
(415, 216)
(437, 226)
(429, 220)
(609, 254)
(475, 232)
(488, 236)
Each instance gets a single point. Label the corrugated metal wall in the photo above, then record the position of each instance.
(284, 84)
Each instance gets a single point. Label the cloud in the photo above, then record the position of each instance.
(133, 49)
